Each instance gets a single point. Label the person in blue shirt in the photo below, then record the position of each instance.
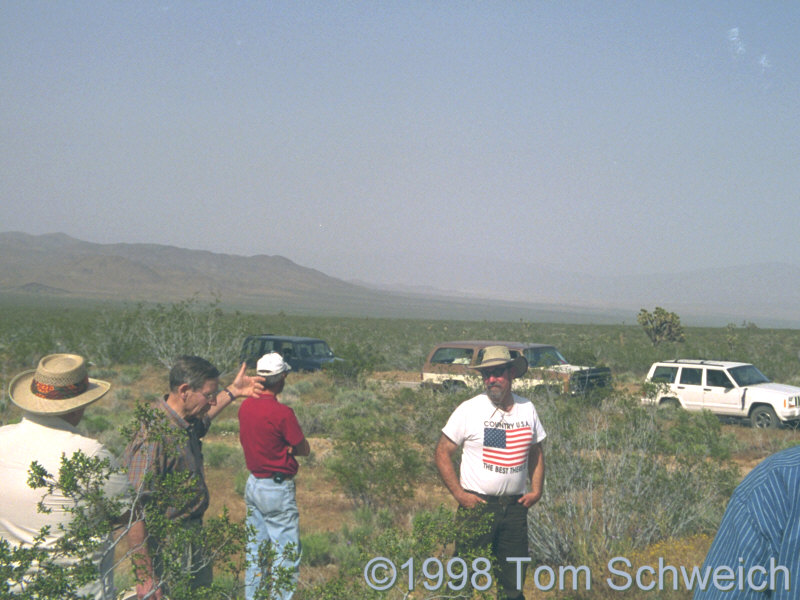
(758, 540)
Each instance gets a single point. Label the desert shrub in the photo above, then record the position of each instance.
(429, 536)
(426, 411)
(321, 418)
(185, 327)
(128, 375)
(124, 394)
(368, 453)
(151, 397)
(315, 419)
(106, 373)
(310, 388)
(317, 549)
(298, 388)
(94, 516)
(616, 484)
(358, 361)
(696, 434)
(110, 337)
(221, 455)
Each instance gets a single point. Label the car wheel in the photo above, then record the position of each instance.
(763, 417)
(669, 404)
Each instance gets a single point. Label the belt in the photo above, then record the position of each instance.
(502, 500)
(276, 477)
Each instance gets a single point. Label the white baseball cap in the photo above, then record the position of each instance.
(272, 364)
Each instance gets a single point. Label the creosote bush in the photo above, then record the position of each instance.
(370, 451)
(623, 477)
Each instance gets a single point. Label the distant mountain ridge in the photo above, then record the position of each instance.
(59, 266)
(41, 263)
(63, 268)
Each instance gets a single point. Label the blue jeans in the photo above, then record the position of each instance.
(272, 513)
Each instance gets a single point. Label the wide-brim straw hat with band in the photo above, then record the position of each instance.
(60, 384)
(496, 356)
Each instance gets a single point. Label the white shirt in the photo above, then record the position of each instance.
(46, 439)
(496, 444)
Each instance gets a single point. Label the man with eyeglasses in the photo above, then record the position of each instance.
(502, 469)
(194, 399)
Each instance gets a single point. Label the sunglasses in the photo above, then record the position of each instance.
(495, 372)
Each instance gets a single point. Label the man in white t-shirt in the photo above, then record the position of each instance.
(502, 454)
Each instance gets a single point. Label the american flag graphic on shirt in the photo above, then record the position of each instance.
(506, 447)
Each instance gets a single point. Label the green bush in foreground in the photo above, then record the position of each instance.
(38, 572)
(377, 537)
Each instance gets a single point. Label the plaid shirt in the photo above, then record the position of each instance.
(143, 456)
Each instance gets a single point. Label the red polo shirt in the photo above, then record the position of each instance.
(267, 430)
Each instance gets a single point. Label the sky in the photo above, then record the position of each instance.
(409, 142)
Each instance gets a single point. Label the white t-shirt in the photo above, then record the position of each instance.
(495, 444)
(45, 439)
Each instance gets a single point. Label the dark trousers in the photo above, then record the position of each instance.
(193, 559)
(501, 526)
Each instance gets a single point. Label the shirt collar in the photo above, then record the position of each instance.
(265, 395)
(176, 418)
(50, 421)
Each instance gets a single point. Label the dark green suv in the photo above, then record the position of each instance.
(302, 353)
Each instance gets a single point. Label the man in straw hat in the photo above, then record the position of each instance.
(53, 399)
(501, 438)
(194, 399)
(271, 438)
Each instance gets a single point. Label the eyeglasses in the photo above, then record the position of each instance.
(209, 396)
(495, 372)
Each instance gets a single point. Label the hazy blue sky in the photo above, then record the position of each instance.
(381, 140)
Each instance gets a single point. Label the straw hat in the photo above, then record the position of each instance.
(60, 384)
(495, 356)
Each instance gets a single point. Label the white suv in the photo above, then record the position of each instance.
(731, 389)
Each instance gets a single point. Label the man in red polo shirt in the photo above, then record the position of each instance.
(271, 438)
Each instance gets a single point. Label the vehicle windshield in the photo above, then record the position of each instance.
(544, 357)
(747, 375)
(313, 350)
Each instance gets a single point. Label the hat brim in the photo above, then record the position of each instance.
(518, 364)
(271, 373)
(20, 392)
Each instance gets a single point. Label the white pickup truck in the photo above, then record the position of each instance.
(726, 388)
